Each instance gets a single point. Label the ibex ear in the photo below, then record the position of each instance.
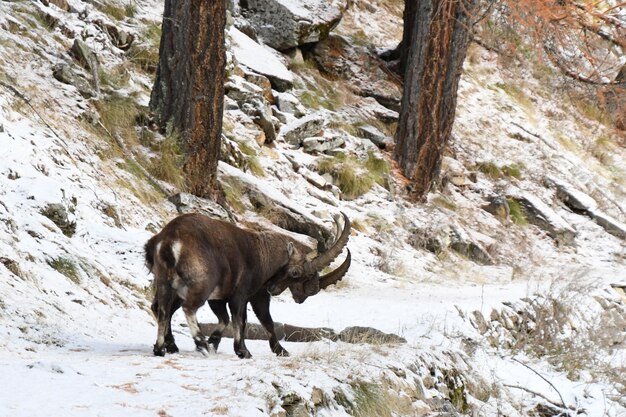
(290, 249)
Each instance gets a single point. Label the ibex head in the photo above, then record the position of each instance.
(301, 274)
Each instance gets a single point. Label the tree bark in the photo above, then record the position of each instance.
(188, 93)
(440, 36)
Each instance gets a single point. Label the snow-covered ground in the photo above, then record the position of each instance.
(76, 332)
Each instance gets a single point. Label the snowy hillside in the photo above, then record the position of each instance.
(510, 313)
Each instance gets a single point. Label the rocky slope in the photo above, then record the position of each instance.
(505, 283)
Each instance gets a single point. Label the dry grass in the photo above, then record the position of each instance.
(167, 165)
(353, 176)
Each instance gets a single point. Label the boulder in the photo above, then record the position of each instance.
(358, 334)
(582, 203)
(377, 137)
(542, 216)
(119, 38)
(463, 244)
(261, 60)
(340, 58)
(188, 203)
(285, 24)
(281, 212)
(84, 55)
(66, 74)
(295, 132)
(288, 103)
(498, 206)
(322, 143)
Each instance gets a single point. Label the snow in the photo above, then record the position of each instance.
(85, 349)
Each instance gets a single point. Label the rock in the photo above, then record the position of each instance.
(65, 74)
(611, 225)
(545, 218)
(61, 4)
(295, 57)
(295, 132)
(498, 206)
(322, 144)
(251, 100)
(287, 24)
(432, 240)
(461, 243)
(188, 203)
(339, 57)
(317, 396)
(119, 38)
(582, 203)
(288, 103)
(283, 213)
(376, 136)
(84, 55)
(263, 83)
(315, 179)
(358, 334)
(261, 59)
(308, 334)
(61, 217)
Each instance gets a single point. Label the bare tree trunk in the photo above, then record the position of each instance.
(440, 36)
(188, 92)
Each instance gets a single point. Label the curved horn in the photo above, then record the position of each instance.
(324, 259)
(335, 276)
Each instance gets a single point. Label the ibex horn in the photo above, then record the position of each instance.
(337, 274)
(326, 258)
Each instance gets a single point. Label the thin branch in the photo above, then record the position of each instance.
(538, 394)
(552, 56)
(544, 378)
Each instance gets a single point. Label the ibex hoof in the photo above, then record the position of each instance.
(158, 350)
(171, 348)
(243, 354)
(283, 353)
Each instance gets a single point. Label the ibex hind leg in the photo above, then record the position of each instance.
(201, 344)
(162, 307)
(170, 343)
(219, 309)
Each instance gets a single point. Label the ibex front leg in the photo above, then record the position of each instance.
(238, 313)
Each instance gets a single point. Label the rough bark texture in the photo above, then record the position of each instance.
(189, 88)
(439, 39)
(410, 12)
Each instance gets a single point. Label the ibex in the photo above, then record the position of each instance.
(196, 259)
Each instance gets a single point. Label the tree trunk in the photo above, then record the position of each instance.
(410, 12)
(188, 93)
(400, 53)
(440, 36)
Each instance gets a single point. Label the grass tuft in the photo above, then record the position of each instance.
(355, 177)
(517, 213)
(167, 165)
(66, 267)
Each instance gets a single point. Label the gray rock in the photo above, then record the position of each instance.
(498, 206)
(294, 133)
(283, 25)
(545, 218)
(65, 74)
(322, 144)
(288, 103)
(188, 203)
(358, 334)
(339, 57)
(84, 55)
(61, 217)
(283, 213)
(376, 136)
(462, 244)
(582, 203)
